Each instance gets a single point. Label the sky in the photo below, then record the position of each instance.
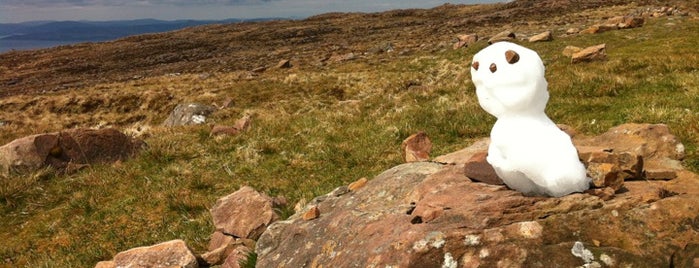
(99, 10)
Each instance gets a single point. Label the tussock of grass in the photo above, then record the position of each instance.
(314, 128)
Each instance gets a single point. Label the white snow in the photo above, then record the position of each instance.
(527, 150)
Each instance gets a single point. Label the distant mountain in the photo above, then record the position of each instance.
(33, 34)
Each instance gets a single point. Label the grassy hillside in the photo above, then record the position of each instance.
(316, 126)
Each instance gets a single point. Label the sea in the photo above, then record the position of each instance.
(7, 45)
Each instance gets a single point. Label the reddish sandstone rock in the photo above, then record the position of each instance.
(243, 214)
(62, 150)
(173, 253)
(417, 147)
(592, 53)
(542, 37)
(427, 214)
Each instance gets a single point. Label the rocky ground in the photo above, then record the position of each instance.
(448, 211)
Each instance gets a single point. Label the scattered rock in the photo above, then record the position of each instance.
(227, 103)
(67, 149)
(222, 246)
(224, 130)
(417, 147)
(236, 257)
(568, 51)
(572, 31)
(592, 53)
(605, 175)
(502, 36)
(283, 64)
(189, 114)
(357, 184)
(173, 253)
(244, 213)
(464, 40)
(626, 22)
(344, 57)
(312, 213)
(542, 37)
(478, 169)
(243, 123)
(260, 69)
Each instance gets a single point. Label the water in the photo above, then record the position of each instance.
(9, 44)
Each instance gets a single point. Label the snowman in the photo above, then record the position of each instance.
(527, 150)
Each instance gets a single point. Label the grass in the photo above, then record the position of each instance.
(314, 128)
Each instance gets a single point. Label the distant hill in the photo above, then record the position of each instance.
(39, 34)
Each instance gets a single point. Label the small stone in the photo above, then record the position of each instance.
(283, 64)
(659, 174)
(568, 51)
(416, 148)
(542, 37)
(605, 175)
(357, 184)
(572, 31)
(606, 193)
(243, 123)
(311, 214)
(224, 130)
(502, 36)
(465, 40)
(174, 253)
(259, 69)
(478, 169)
(592, 53)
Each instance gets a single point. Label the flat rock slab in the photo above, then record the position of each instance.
(429, 215)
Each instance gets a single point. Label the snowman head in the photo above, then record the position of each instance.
(509, 79)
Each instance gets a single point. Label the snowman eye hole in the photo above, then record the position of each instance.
(475, 65)
(511, 56)
(493, 67)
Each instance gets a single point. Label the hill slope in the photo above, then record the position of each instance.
(359, 85)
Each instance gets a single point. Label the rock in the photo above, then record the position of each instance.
(627, 165)
(283, 64)
(244, 213)
(625, 22)
(311, 213)
(189, 114)
(572, 31)
(173, 253)
(464, 155)
(478, 169)
(222, 246)
(426, 214)
(357, 184)
(464, 40)
(227, 103)
(592, 53)
(542, 37)
(106, 264)
(659, 150)
(344, 57)
(234, 259)
(502, 36)
(243, 123)
(67, 149)
(568, 51)
(659, 174)
(224, 130)
(417, 147)
(605, 175)
(260, 69)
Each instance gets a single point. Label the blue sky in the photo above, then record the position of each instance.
(31, 10)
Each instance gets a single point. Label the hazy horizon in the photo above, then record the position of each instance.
(16, 11)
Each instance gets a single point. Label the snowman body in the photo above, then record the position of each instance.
(527, 150)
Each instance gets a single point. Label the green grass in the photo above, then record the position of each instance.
(318, 127)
